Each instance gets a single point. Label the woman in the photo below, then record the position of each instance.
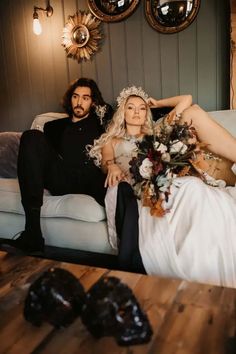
(196, 239)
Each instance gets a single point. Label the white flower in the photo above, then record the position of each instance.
(178, 146)
(151, 190)
(145, 169)
(164, 182)
(160, 147)
(165, 157)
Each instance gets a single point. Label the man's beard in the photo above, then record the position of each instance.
(83, 113)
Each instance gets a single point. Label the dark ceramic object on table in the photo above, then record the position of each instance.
(56, 297)
(112, 310)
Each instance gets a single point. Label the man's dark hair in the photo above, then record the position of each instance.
(82, 82)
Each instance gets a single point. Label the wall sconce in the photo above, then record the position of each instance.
(37, 28)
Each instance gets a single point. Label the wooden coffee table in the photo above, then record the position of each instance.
(185, 317)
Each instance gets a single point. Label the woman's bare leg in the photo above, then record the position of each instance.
(217, 138)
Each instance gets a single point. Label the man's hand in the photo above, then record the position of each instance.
(114, 175)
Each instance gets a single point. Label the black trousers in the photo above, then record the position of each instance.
(39, 167)
(127, 229)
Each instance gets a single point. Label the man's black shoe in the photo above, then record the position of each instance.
(27, 243)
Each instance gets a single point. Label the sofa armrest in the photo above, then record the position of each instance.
(9, 146)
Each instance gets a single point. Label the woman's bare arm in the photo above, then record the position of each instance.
(179, 103)
(109, 166)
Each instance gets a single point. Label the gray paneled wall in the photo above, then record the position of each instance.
(35, 70)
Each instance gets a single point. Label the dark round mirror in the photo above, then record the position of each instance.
(171, 16)
(114, 7)
(112, 10)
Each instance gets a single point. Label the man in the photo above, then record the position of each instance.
(57, 159)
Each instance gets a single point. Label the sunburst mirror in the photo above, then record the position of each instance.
(81, 36)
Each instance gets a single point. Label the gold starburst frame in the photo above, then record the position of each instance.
(81, 35)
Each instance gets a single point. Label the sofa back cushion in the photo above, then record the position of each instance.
(9, 144)
(41, 119)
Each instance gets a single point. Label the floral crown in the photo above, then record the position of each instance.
(131, 91)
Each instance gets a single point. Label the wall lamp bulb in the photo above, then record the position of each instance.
(37, 28)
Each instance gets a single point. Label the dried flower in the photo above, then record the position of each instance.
(145, 169)
(161, 158)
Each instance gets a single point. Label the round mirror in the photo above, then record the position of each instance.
(112, 10)
(171, 16)
(80, 35)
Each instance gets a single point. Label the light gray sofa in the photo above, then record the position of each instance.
(69, 222)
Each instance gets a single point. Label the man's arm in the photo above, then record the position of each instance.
(53, 131)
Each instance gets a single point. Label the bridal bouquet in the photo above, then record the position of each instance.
(172, 152)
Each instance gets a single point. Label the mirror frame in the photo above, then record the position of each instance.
(172, 29)
(97, 11)
(90, 25)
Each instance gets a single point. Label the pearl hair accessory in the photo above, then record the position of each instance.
(129, 91)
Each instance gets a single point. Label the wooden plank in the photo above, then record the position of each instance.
(22, 337)
(74, 69)
(104, 65)
(151, 60)
(169, 64)
(134, 48)
(60, 79)
(185, 317)
(206, 55)
(188, 65)
(223, 54)
(233, 55)
(118, 57)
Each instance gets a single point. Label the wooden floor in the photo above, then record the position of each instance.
(185, 317)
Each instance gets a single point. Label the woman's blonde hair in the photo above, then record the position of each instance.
(117, 129)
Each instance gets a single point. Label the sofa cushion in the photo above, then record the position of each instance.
(41, 119)
(9, 145)
(226, 118)
(74, 206)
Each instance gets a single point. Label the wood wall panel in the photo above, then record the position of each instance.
(233, 55)
(104, 65)
(170, 64)
(206, 54)
(152, 66)
(134, 49)
(118, 56)
(222, 50)
(35, 70)
(188, 54)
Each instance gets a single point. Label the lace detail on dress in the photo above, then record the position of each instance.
(124, 150)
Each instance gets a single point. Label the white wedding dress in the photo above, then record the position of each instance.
(195, 240)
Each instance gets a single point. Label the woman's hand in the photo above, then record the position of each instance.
(152, 102)
(114, 175)
(179, 103)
